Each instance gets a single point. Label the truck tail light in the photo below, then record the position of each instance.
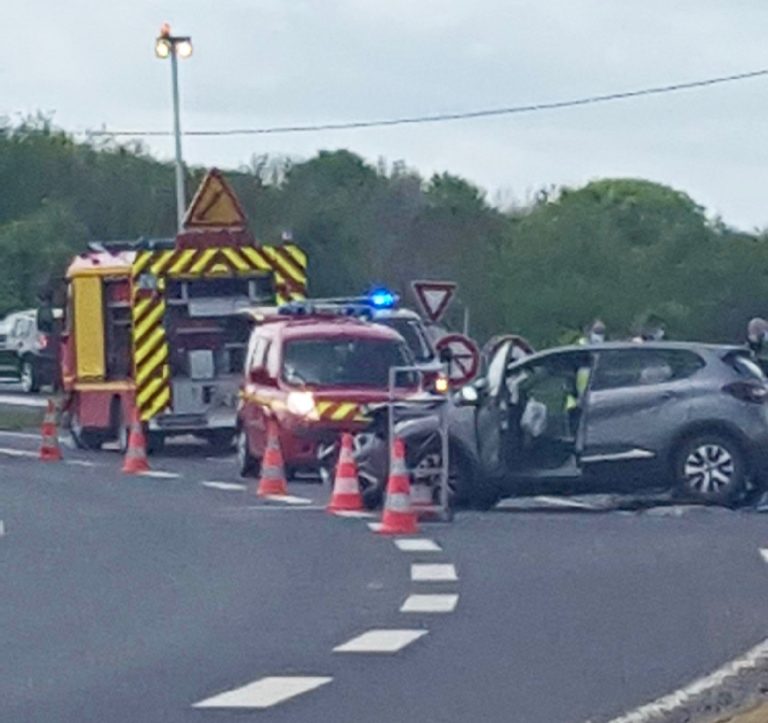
(754, 392)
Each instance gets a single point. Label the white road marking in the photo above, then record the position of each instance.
(288, 499)
(264, 693)
(374, 526)
(764, 554)
(227, 486)
(20, 435)
(433, 573)
(354, 514)
(380, 641)
(418, 545)
(159, 474)
(2, 528)
(18, 452)
(81, 462)
(430, 604)
(652, 712)
(19, 401)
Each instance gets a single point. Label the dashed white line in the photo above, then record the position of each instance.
(226, 486)
(354, 514)
(418, 545)
(11, 452)
(433, 573)
(81, 463)
(764, 554)
(288, 499)
(430, 604)
(380, 641)
(374, 526)
(2, 528)
(159, 474)
(264, 693)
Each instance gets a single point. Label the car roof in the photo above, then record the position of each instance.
(692, 346)
(314, 327)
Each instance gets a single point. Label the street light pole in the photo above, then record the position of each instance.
(180, 197)
(174, 47)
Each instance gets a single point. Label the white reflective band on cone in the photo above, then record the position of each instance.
(399, 502)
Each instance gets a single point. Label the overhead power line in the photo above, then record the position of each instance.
(443, 117)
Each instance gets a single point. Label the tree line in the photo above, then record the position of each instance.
(624, 250)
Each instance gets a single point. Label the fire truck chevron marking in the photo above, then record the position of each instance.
(286, 263)
(338, 411)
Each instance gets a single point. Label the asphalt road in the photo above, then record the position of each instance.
(134, 599)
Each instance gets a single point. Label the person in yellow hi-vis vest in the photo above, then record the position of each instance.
(594, 335)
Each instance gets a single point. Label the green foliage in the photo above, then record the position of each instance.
(626, 250)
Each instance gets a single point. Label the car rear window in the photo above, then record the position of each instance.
(342, 362)
(411, 331)
(644, 367)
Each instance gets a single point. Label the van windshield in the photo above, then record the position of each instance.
(342, 362)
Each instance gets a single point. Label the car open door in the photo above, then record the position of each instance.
(493, 413)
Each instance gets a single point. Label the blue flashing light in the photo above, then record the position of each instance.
(382, 299)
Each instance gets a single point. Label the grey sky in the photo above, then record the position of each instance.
(271, 62)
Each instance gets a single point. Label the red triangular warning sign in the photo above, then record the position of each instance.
(214, 205)
(434, 297)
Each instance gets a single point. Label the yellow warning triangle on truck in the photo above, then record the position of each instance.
(214, 205)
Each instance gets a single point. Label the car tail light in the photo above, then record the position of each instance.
(748, 391)
(42, 341)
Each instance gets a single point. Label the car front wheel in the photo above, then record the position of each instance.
(710, 468)
(29, 378)
(247, 464)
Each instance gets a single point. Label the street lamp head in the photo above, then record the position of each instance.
(163, 47)
(183, 47)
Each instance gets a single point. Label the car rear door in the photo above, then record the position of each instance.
(637, 400)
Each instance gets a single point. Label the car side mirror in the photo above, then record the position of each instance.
(468, 396)
(260, 375)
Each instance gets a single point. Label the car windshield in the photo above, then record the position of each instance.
(345, 362)
(411, 331)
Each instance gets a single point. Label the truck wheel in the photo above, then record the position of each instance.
(155, 443)
(221, 441)
(247, 464)
(30, 382)
(84, 438)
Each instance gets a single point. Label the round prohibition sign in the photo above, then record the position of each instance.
(465, 358)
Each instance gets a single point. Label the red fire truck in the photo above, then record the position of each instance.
(157, 325)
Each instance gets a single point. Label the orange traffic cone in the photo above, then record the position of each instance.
(136, 454)
(346, 489)
(49, 449)
(272, 480)
(399, 517)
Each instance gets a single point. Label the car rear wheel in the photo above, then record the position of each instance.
(30, 382)
(84, 438)
(247, 464)
(710, 468)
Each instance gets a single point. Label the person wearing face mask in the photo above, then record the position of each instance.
(757, 341)
(595, 334)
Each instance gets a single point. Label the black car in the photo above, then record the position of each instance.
(621, 417)
(27, 355)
